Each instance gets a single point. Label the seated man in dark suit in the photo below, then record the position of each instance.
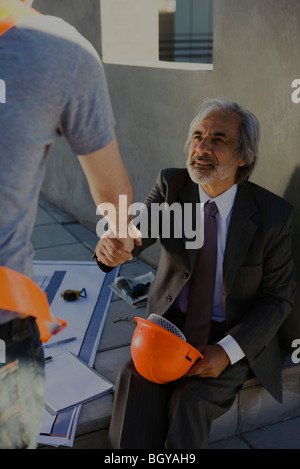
(252, 293)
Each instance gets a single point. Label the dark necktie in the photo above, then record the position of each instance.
(202, 283)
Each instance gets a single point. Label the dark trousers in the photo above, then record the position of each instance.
(176, 415)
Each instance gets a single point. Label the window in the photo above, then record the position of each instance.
(186, 30)
(157, 33)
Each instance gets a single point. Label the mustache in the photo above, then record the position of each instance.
(204, 159)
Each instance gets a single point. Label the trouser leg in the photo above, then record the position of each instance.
(140, 414)
(21, 385)
(196, 402)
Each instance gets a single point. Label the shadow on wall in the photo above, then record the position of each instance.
(291, 328)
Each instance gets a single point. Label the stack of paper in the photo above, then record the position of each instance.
(71, 382)
(70, 378)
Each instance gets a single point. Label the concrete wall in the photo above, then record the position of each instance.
(64, 183)
(256, 58)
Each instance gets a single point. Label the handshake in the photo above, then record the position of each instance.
(113, 251)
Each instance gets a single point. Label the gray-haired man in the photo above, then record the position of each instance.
(253, 290)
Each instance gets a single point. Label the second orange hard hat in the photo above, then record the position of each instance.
(159, 350)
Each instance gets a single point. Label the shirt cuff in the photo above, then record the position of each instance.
(232, 348)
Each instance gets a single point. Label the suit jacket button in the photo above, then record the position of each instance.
(169, 298)
(184, 275)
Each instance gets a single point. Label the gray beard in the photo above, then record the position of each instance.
(219, 173)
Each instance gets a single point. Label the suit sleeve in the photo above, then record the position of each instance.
(157, 195)
(143, 220)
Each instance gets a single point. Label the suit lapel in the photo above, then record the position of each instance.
(189, 195)
(240, 234)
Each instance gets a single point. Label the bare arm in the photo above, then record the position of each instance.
(108, 179)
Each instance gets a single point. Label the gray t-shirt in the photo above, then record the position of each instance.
(55, 85)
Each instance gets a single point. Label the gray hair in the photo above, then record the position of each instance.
(247, 146)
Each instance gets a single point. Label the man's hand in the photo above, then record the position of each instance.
(214, 362)
(113, 251)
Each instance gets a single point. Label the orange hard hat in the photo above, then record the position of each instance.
(22, 295)
(159, 350)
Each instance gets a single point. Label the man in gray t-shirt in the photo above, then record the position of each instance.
(55, 85)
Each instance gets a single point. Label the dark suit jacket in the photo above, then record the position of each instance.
(258, 269)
